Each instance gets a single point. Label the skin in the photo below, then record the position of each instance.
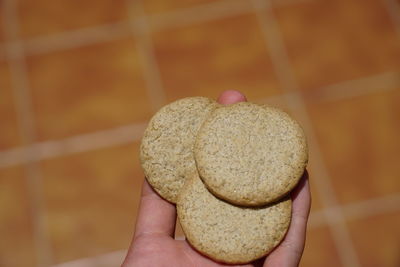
(153, 243)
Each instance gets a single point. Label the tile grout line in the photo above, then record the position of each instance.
(382, 82)
(280, 61)
(75, 144)
(77, 38)
(360, 209)
(15, 57)
(281, 3)
(199, 14)
(364, 86)
(371, 207)
(144, 44)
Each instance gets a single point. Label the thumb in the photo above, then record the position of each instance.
(231, 97)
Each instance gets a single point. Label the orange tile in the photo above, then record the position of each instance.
(44, 17)
(9, 134)
(333, 41)
(159, 6)
(88, 89)
(16, 228)
(92, 200)
(2, 53)
(376, 240)
(320, 249)
(359, 140)
(2, 33)
(205, 59)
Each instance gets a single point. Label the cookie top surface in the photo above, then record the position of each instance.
(229, 233)
(250, 154)
(166, 151)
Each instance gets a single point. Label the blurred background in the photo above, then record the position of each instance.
(80, 79)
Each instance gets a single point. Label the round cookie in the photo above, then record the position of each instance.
(166, 151)
(250, 154)
(229, 233)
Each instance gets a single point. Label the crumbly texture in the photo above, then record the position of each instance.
(166, 151)
(250, 154)
(228, 233)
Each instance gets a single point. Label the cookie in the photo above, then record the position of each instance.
(250, 154)
(229, 233)
(166, 151)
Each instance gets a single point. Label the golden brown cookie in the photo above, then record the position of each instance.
(250, 154)
(166, 151)
(229, 233)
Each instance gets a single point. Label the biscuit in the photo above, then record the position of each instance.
(250, 154)
(166, 151)
(229, 233)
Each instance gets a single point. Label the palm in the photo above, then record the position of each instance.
(162, 250)
(154, 245)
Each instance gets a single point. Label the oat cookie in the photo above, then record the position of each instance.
(229, 233)
(166, 151)
(250, 154)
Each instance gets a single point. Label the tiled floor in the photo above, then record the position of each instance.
(90, 73)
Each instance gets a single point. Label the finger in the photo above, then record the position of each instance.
(230, 97)
(289, 252)
(156, 215)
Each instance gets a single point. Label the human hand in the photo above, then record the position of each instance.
(153, 243)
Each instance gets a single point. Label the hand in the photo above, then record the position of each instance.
(153, 243)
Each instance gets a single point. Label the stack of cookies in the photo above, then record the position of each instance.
(229, 169)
